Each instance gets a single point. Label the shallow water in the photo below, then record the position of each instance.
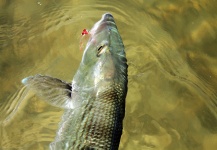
(172, 57)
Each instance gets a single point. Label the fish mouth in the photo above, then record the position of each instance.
(107, 17)
(106, 22)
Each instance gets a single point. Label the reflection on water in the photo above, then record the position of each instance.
(170, 46)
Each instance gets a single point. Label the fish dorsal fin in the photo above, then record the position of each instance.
(54, 91)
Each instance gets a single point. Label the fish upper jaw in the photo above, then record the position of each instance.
(107, 21)
(103, 31)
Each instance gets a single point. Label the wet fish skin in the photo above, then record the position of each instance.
(94, 102)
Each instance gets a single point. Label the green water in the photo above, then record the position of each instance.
(171, 51)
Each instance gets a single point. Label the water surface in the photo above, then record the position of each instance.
(171, 51)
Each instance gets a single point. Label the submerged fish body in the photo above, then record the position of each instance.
(94, 102)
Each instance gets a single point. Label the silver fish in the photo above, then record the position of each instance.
(94, 102)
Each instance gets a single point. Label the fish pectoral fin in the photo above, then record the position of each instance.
(54, 91)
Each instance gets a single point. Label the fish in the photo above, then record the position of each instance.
(94, 102)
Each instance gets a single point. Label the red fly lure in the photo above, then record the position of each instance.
(84, 32)
(83, 38)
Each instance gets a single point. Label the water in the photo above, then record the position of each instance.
(171, 51)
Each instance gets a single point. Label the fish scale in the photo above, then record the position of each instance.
(97, 122)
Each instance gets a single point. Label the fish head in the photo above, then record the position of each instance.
(104, 57)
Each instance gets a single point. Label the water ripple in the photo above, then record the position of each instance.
(10, 107)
